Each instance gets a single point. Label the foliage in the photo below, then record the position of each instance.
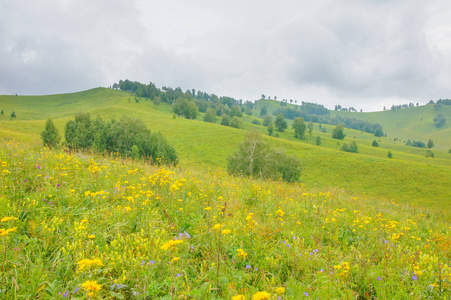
(418, 144)
(2, 112)
(263, 111)
(352, 147)
(439, 121)
(267, 120)
(50, 136)
(225, 120)
(299, 127)
(430, 143)
(236, 122)
(310, 128)
(280, 123)
(185, 108)
(379, 132)
(338, 132)
(318, 140)
(389, 154)
(375, 144)
(79, 133)
(256, 122)
(257, 158)
(429, 153)
(270, 128)
(13, 115)
(210, 115)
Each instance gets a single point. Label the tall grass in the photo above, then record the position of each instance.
(83, 226)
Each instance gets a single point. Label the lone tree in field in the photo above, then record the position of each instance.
(280, 123)
(50, 136)
(430, 143)
(338, 132)
(257, 158)
(13, 115)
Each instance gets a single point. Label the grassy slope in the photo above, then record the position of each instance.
(408, 177)
(414, 123)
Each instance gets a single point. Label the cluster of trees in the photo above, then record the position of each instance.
(127, 137)
(255, 157)
(439, 121)
(395, 107)
(352, 147)
(420, 144)
(340, 108)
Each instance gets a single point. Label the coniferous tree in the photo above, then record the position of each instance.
(430, 143)
(50, 136)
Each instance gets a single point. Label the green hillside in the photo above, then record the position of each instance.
(414, 123)
(409, 177)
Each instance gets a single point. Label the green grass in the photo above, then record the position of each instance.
(409, 177)
(92, 227)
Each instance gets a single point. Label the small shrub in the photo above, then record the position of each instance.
(13, 115)
(236, 122)
(225, 120)
(389, 154)
(338, 132)
(318, 140)
(429, 153)
(352, 147)
(375, 144)
(256, 122)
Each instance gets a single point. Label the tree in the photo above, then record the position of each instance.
(318, 140)
(50, 136)
(255, 157)
(79, 133)
(430, 143)
(267, 120)
(299, 127)
(270, 128)
(379, 132)
(236, 122)
(429, 153)
(439, 121)
(156, 101)
(225, 120)
(13, 115)
(263, 111)
(280, 123)
(375, 144)
(338, 132)
(389, 154)
(210, 115)
(256, 122)
(350, 147)
(191, 111)
(2, 112)
(310, 128)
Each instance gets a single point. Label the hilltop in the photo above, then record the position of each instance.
(409, 177)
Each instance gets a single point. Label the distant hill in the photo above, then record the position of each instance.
(408, 177)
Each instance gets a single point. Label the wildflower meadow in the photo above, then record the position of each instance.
(82, 226)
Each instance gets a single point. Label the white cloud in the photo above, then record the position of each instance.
(353, 53)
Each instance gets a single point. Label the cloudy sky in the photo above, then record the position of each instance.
(361, 53)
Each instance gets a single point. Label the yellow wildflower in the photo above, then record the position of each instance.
(91, 286)
(4, 232)
(170, 244)
(238, 297)
(241, 253)
(226, 231)
(5, 219)
(261, 296)
(217, 226)
(174, 259)
(280, 290)
(207, 208)
(86, 263)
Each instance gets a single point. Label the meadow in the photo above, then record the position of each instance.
(81, 226)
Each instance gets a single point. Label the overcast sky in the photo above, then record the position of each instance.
(361, 53)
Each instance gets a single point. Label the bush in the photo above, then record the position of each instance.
(210, 115)
(379, 132)
(429, 153)
(350, 147)
(270, 128)
(375, 144)
(338, 132)
(299, 128)
(236, 122)
(225, 120)
(256, 122)
(13, 115)
(389, 154)
(430, 144)
(256, 158)
(79, 133)
(280, 123)
(318, 140)
(267, 120)
(50, 136)
(418, 144)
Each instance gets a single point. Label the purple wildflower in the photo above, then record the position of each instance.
(306, 294)
(65, 294)
(379, 278)
(248, 267)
